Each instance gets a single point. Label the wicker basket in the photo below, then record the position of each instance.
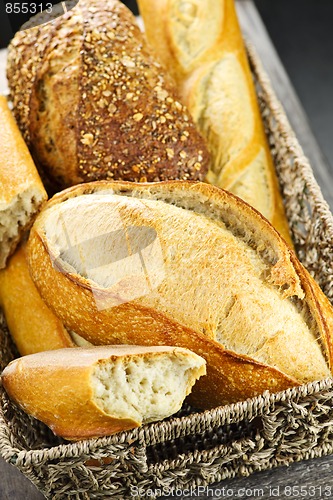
(197, 449)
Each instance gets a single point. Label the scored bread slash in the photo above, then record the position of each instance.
(22, 193)
(83, 393)
(186, 264)
(214, 77)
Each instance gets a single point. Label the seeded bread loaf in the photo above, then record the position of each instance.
(186, 264)
(201, 45)
(93, 103)
(21, 191)
(84, 393)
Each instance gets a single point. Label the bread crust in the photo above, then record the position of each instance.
(22, 193)
(201, 45)
(230, 376)
(55, 387)
(33, 326)
(96, 104)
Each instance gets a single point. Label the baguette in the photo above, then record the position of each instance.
(21, 191)
(32, 325)
(186, 264)
(201, 45)
(93, 103)
(85, 393)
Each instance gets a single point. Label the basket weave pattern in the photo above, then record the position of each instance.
(195, 449)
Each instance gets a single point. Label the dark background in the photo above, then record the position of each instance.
(8, 26)
(302, 32)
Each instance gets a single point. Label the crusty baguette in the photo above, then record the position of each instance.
(84, 393)
(93, 103)
(21, 190)
(185, 264)
(201, 44)
(33, 326)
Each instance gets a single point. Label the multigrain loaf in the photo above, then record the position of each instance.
(93, 103)
(21, 191)
(83, 393)
(201, 45)
(32, 325)
(187, 264)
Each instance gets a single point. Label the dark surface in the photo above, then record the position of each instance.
(310, 479)
(302, 33)
(255, 31)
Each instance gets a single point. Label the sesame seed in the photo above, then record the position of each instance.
(87, 139)
(137, 117)
(128, 62)
(170, 153)
(112, 108)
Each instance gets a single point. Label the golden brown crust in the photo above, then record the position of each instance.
(321, 308)
(201, 45)
(63, 384)
(22, 193)
(21, 71)
(56, 387)
(230, 376)
(18, 172)
(54, 102)
(32, 324)
(99, 103)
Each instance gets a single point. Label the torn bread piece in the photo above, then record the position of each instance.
(84, 393)
(21, 190)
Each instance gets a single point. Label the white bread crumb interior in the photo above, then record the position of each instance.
(145, 389)
(14, 217)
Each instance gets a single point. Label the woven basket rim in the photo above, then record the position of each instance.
(148, 434)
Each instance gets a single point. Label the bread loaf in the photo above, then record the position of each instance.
(84, 393)
(21, 190)
(93, 103)
(186, 264)
(32, 324)
(201, 45)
